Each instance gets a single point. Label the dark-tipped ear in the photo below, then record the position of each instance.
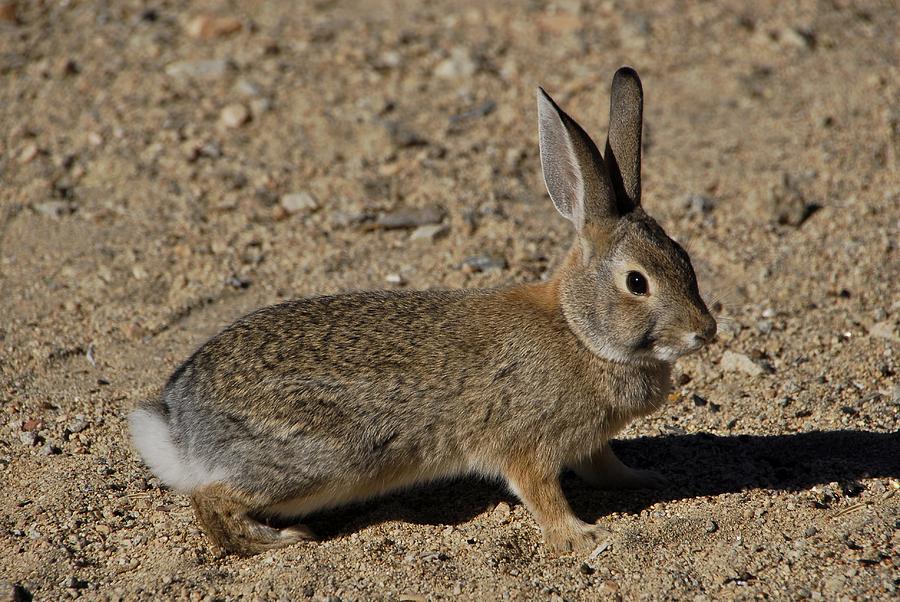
(574, 171)
(623, 145)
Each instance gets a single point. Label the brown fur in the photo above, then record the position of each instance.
(318, 402)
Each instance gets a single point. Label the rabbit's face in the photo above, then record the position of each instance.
(628, 291)
(634, 294)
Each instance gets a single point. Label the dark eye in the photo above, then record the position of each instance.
(637, 283)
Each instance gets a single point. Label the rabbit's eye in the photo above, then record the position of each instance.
(636, 283)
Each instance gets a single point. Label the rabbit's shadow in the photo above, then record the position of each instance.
(696, 465)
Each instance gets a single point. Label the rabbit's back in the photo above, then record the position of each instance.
(295, 395)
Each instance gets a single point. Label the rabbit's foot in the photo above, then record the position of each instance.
(604, 469)
(576, 537)
(636, 478)
(224, 515)
(538, 486)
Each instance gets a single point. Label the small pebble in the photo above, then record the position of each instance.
(395, 279)
(238, 282)
(234, 115)
(49, 449)
(810, 532)
(148, 15)
(298, 201)
(885, 329)
(799, 37)
(459, 64)
(738, 362)
(696, 204)
(29, 152)
(390, 59)
(480, 110)
(790, 386)
(203, 69)
(205, 27)
(609, 588)
(76, 426)
(430, 232)
(712, 526)
(501, 512)
(602, 547)
(258, 106)
(402, 136)
(73, 582)
(484, 263)
(247, 88)
(852, 488)
(410, 217)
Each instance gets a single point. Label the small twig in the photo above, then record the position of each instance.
(599, 550)
(849, 509)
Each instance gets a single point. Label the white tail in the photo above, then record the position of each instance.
(153, 440)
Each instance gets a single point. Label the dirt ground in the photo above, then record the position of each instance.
(165, 170)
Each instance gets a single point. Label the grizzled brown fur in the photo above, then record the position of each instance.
(321, 401)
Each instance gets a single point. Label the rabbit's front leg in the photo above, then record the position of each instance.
(539, 490)
(604, 469)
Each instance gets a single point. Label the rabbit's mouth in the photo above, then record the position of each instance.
(666, 351)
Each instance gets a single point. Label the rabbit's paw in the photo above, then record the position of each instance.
(576, 538)
(638, 479)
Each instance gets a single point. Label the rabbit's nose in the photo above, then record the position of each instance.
(708, 332)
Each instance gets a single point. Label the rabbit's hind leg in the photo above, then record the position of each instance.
(224, 513)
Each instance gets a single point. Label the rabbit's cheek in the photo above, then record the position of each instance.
(665, 353)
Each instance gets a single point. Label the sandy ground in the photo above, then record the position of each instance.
(160, 176)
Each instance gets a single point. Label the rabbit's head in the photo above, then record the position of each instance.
(627, 289)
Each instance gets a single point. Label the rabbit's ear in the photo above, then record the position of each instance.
(574, 171)
(623, 145)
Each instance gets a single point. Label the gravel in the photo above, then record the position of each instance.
(770, 149)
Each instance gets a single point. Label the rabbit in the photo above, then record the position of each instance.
(327, 400)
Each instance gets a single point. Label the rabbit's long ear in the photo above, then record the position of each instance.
(574, 171)
(623, 145)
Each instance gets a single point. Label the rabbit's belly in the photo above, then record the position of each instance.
(340, 491)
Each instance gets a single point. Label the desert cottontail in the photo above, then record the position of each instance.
(321, 401)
